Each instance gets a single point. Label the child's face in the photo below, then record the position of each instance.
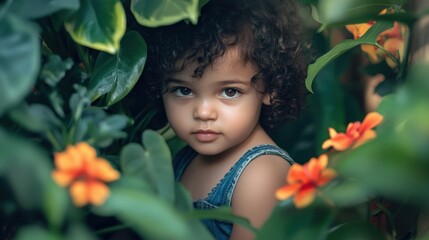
(217, 111)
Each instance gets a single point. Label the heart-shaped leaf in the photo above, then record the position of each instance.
(117, 74)
(98, 24)
(19, 59)
(151, 163)
(164, 12)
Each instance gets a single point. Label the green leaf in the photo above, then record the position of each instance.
(182, 199)
(98, 24)
(41, 8)
(19, 60)
(380, 164)
(369, 37)
(357, 230)
(55, 204)
(112, 126)
(164, 12)
(222, 214)
(345, 11)
(36, 233)
(183, 203)
(42, 118)
(347, 193)
(151, 163)
(146, 214)
(80, 231)
(287, 222)
(54, 70)
(117, 74)
(26, 169)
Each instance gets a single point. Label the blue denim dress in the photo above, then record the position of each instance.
(221, 194)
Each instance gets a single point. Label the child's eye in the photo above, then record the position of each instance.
(230, 93)
(182, 91)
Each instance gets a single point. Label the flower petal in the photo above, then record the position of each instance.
(326, 176)
(367, 135)
(340, 142)
(86, 151)
(304, 197)
(63, 161)
(104, 171)
(313, 168)
(297, 174)
(79, 193)
(62, 178)
(332, 132)
(287, 191)
(98, 192)
(371, 120)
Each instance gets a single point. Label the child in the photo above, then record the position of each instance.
(222, 83)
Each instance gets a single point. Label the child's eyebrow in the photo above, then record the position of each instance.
(174, 80)
(233, 81)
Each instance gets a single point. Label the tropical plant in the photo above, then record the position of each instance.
(79, 158)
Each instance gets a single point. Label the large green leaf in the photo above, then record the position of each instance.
(145, 213)
(222, 214)
(41, 8)
(19, 59)
(117, 74)
(98, 24)
(35, 232)
(26, 169)
(151, 163)
(369, 37)
(164, 12)
(183, 203)
(287, 222)
(340, 12)
(357, 230)
(392, 167)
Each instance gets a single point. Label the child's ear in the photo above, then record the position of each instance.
(267, 99)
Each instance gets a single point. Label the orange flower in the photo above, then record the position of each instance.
(303, 181)
(391, 40)
(357, 133)
(79, 168)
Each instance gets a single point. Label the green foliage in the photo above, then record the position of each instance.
(19, 59)
(369, 37)
(151, 163)
(99, 24)
(343, 12)
(117, 74)
(288, 222)
(164, 12)
(40, 8)
(67, 68)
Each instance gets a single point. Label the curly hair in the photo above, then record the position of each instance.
(267, 34)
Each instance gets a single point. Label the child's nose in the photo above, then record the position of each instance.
(205, 110)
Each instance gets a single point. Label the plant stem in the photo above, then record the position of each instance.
(54, 142)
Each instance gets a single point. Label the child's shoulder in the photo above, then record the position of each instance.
(265, 170)
(254, 196)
